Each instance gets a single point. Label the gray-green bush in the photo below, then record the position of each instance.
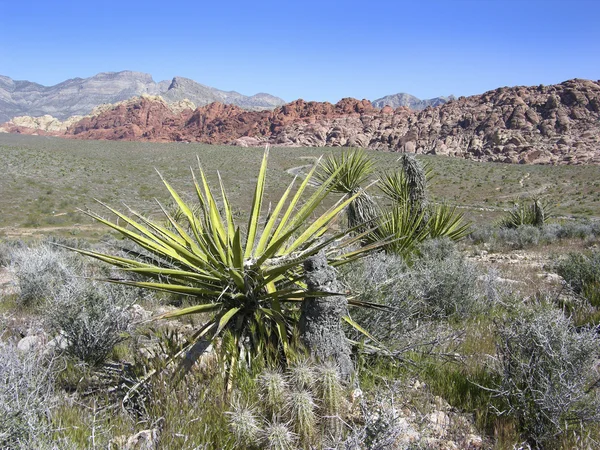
(41, 270)
(26, 398)
(91, 317)
(441, 283)
(547, 372)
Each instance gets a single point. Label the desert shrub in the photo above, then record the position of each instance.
(582, 274)
(547, 372)
(579, 270)
(520, 237)
(26, 398)
(441, 283)
(40, 271)
(498, 238)
(91, 317)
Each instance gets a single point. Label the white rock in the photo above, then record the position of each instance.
(29, 343)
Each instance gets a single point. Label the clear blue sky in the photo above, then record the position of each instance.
(316, 50)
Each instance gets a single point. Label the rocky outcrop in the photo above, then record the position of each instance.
(78, 96)
(557, 124)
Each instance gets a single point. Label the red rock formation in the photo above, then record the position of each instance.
(557, 124)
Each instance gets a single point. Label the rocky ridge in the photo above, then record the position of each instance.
(79, 96)
(558, 124)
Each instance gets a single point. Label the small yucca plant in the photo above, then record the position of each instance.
(412, 219)
(535, 213)
(400, 230)
(349, 171)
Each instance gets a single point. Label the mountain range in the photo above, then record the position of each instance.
(79, 96)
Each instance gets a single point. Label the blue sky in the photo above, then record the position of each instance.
(316, 50)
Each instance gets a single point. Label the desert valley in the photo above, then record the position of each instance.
(392, 273)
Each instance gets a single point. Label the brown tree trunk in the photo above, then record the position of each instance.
(320, 321)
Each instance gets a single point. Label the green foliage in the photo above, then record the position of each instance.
(350, 170)
(411, 219)
(445, 221)
(346, 173)
(399, 230)
(581, 272)
(249, 282)
(535, 214)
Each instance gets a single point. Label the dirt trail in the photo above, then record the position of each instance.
(23, 232)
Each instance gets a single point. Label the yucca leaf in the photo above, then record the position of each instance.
(196, 309)
(228, 213)
(319, 225)
(170, 287)
(256, 207)
(355, 325)
(266, 234)
(225, 318)
(283, 226)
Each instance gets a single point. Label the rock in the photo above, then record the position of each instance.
(60, 342)
(144, 440)
(472, 441)
(138, 314)
(439, 422)
(30, 343)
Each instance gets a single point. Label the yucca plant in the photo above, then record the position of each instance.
(248, 281)
(416, 176)
(445, 221)
(403, 229)
(348, 172)
(536, 214)
(412, 219)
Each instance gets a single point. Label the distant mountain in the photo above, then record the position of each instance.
(410, 101)
(78, 96)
